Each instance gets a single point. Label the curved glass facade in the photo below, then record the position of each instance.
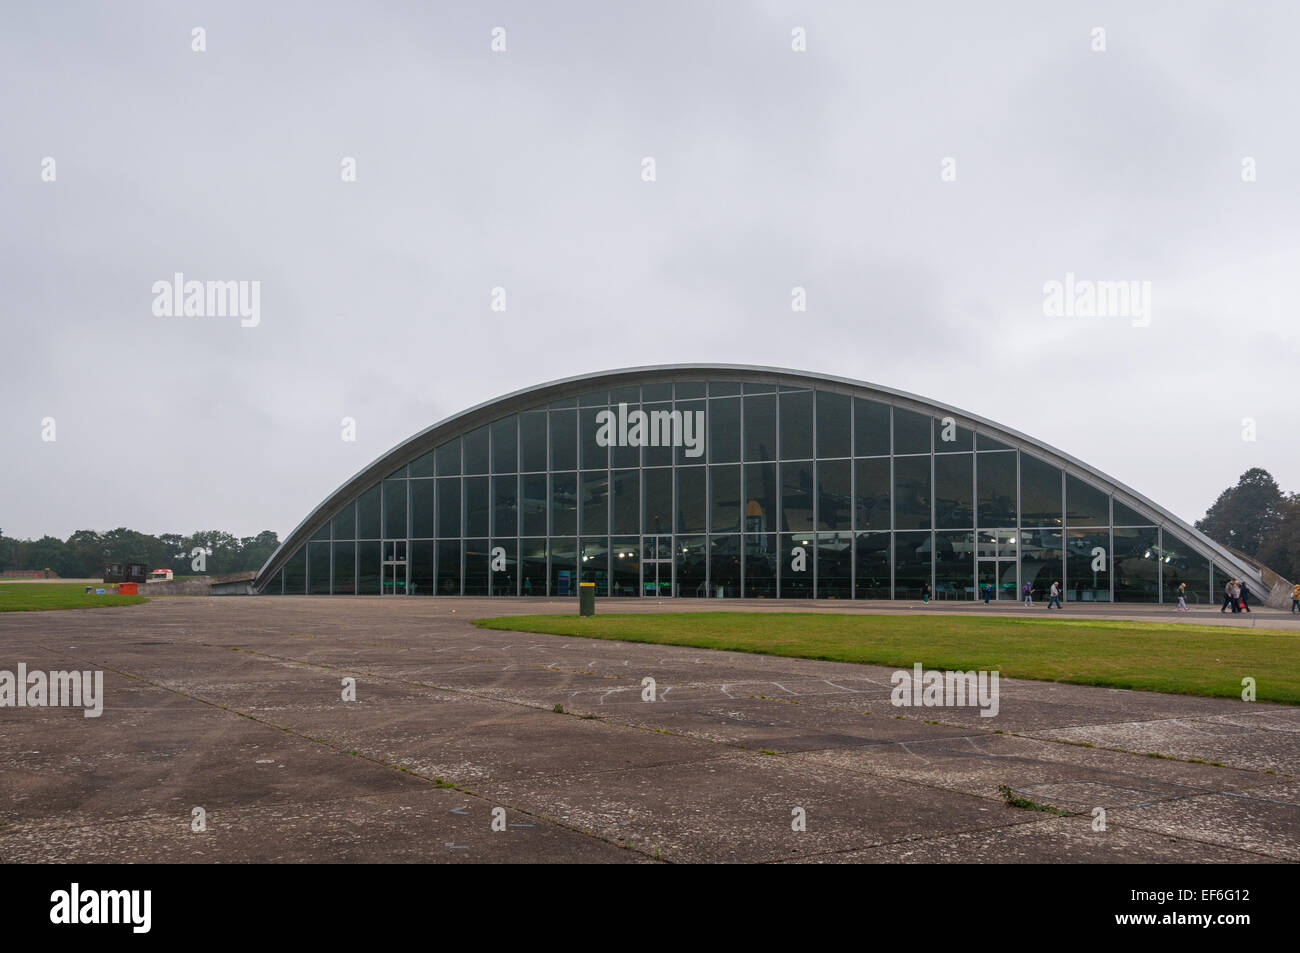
(736, 484)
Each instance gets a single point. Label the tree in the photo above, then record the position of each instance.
(1247, 516)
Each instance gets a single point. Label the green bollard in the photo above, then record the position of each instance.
(586, 598)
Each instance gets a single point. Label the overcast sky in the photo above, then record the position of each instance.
(822, 169)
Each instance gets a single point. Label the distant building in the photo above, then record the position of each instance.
(161, 575)
(29, 574)
(124, 572)
(742, 482)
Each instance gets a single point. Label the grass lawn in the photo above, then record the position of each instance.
(26, 597)
(1148, 656)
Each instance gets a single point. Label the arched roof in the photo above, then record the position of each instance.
(530, 397)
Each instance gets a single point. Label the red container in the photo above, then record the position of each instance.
(128, 588)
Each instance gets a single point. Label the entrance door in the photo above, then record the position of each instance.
(394, 574)
(657, 566)
(998, 573)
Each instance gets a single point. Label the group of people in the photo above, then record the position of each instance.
(1236, 596)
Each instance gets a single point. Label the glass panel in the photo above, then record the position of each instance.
(422, 499)
(1041, 561)
(725, 497)
(690, 444)
(951, 437)
(478, 506)
(505, 567)
(912, 492)
(345, 569)
(477, 568)
(322, 533)
(447, 458)
(797, 497)
(911, 564)
(1085, 504)
(1087, 566)
(656, 392)
(760, 498)
(505, 505)
(724, 388)
(420, 570)
(724, 430)
(658, 513)
(954, 490)
(954, 566)
(724, 566)
(760, 565)
(1137, 565)
(595, 503)
(505, 445)
(835, 495)
(911, 431)
(1125, 516)
(564, 504)
(658, 451)
(394, 509)
(344, 525)
(593, 564)
(689, 389)
(626, 560)
(368, 514)
(564, 567)
(625, 395)
(628, 456)
(532, 441)
(1040, 492)
(798, 553)
(449, 510)
(563, 402)
(594, 456)
(564, 440)
(995, 476)
(533, 573)
(422, 466)
(987, 543)
(318, 569)
(834, 424)
(759, 388)
(834, 565)
(1182, 565)
(692, 563)
(985, 442)
(449, 567)
(534, 506)
(870, 428)
(796, 425)
(873, 566)
(399, 474)
(760, 428)
(871, 494)
(626, 515)
(476, 451)
(594, 398)
(692, 509)
(368, 568)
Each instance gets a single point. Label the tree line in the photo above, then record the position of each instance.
(1258, 519)
(85, 553)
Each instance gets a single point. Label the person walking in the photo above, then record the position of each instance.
(1295, 597)
(1054, 596)
(1182, 597)
(925, 592)
(1029, 594)
(988, 592)
(1227, 598)
(1245, 596)
(1234, 593)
